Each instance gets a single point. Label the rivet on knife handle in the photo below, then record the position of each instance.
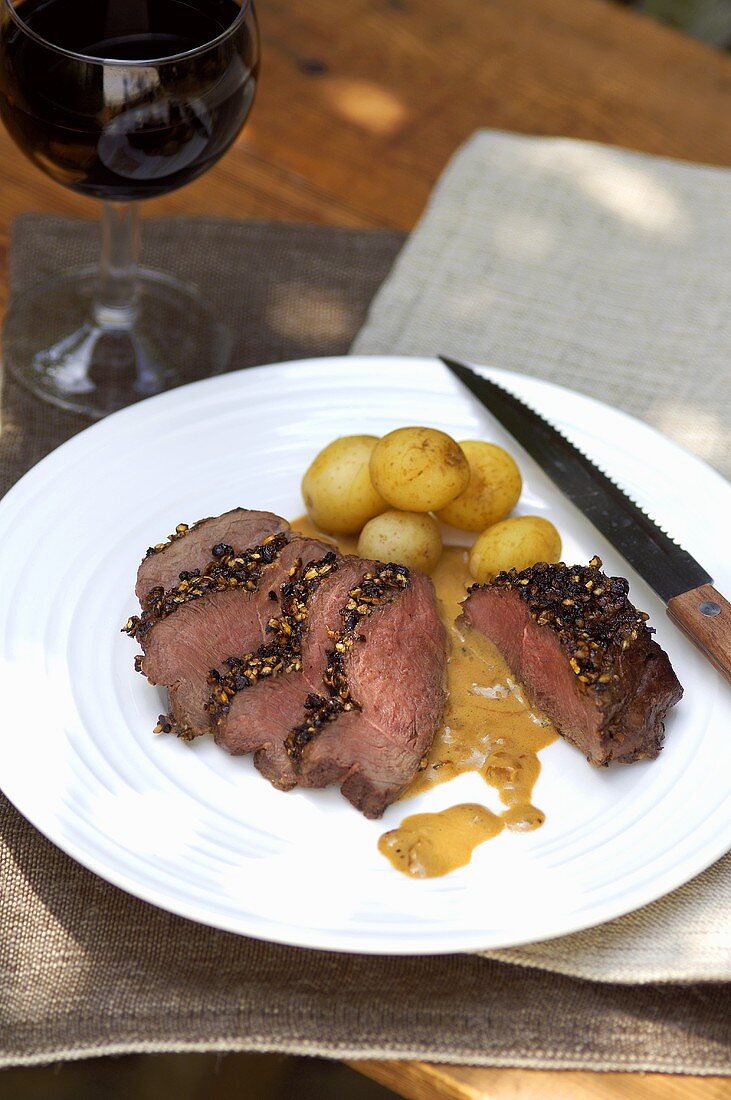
(705, 616)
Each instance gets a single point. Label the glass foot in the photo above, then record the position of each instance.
(54, 344)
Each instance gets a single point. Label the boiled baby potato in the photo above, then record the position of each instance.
(514, 543)
(418, 469)
(337, 489)
(493, 490)
(407, 538)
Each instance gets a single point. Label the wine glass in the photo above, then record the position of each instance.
(121, 100)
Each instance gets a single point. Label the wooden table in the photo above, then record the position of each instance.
(362, 103)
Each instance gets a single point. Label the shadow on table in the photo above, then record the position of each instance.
(192, 1077)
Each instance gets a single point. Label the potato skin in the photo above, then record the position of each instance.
(418, 469)
(337, 489)
(406, 538)
(494, 488)
(514, 543)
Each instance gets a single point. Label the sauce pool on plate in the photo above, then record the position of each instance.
(429, 845)
(489, 728)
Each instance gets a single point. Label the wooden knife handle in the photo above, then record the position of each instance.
(705, 616)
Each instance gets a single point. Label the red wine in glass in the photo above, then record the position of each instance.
(121, 100)
(126, 133)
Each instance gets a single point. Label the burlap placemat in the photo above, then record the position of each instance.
(85, 969)
(285, 295)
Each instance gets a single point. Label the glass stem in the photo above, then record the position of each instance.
(116, 302)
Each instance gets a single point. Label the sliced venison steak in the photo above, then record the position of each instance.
(382, 696)
(584, 653)
(191, 548)
(190, 629)
(255, 712)
(327, 668)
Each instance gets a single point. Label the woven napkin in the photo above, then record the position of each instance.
(606, 271)
(600, 269)
(86, 970)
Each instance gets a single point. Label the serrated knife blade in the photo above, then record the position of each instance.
(679, 580)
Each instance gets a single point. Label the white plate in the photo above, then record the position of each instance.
(201, 834)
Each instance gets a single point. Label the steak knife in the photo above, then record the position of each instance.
(683, 585)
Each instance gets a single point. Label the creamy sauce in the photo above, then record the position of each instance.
(488, 725)
(489, 728)
(429, 845)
